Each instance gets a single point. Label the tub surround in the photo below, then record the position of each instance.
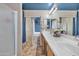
(65, 45)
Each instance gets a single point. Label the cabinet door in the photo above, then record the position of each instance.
(42, 43)
(46, 49)
(49, 51)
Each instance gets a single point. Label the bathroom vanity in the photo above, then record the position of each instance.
(65, 45)
(45, 46)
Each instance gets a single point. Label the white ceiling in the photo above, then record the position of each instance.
(14, 6)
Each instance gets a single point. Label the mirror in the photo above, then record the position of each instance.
(66, 24)
(50, 24)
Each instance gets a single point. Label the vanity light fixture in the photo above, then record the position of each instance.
(53, 9)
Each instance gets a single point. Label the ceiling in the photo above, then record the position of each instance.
(67, 6)
(14, 6)
(47, 6)
(43, 6)
(37, 6)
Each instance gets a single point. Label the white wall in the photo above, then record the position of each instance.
(32, 13)
(19, 30)
(4, 7)
(66, 13)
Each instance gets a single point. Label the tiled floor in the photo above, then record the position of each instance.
(34, 49)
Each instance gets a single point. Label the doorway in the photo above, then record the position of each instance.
(36, 25)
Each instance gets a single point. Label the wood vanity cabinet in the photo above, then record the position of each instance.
(43, 44)
(49, 51)
(46, 50)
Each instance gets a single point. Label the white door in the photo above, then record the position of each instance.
(7, 33)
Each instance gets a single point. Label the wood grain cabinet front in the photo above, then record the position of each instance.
(43, 44)
(45, 47)
(49, 52)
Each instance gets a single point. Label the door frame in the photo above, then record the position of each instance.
(15, 26)
(33, 22)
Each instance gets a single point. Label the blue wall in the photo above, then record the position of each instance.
(37, 6)
(23, 29)
(47, 6)
(77, 23)
(67, 6)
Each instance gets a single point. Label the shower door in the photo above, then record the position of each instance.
(7, 33)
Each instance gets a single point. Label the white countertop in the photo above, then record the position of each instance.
(65, 45)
